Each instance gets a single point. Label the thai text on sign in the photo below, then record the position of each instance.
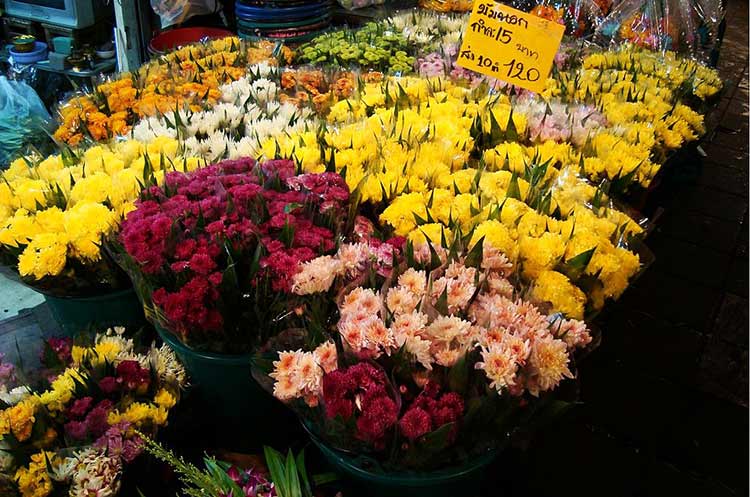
(510, 45)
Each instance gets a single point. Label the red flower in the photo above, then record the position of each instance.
(361, 385)
(202, 263)
(108, 385)
(415, 423)
(132, 376)
(183, 237)
(379, 414)
(80, 407)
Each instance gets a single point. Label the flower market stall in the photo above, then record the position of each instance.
(408, 256)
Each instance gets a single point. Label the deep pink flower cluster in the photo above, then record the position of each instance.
(129, 376)
(119, 444)
(185, 236)
(430, 410)
(87, 421)
(61, 347)
(363, 388)
(384, 251)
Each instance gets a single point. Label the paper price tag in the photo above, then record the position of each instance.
(509, 44)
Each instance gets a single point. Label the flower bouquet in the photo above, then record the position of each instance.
(74, 432)
(55, 214)
(426, 369)
(213, 254)
(185, 78)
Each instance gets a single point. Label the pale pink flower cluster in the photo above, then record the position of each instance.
(559, 122)
(495, 260)
(450, 338)
(361, 324)
(409, 332)
(299, 374)
(521, 348)
(317, 275)
(573, 332)
(423, 255)
(459, 285)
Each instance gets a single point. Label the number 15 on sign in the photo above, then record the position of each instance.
(511, 45)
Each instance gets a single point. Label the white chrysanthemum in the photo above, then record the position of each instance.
(169, 369)
(263, 90)
(15, 395)
(245, 147)
(415, 281)
(63, 468)
(96, 474)
(316, 276)
(400, 300)
(218, 146)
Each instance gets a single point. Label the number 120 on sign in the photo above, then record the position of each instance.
(514, 69)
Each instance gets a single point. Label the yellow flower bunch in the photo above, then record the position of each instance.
(142, 414)
(60, 209)
(672, 70)
(34, 480)
(414, 145)
(189, 77)
(413, 156)
(18, 420)
(57, 397)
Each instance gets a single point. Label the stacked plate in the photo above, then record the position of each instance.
(282, 20)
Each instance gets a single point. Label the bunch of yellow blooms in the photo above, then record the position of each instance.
(38, 420)
(54, 214)
(415, 159)
(188, 77)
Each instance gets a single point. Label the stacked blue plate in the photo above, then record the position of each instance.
(282, 20)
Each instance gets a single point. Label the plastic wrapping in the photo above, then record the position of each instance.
(685, 26)
(580, 17)
(23, 118)
(172, 12)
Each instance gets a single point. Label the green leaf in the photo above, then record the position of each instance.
(292, 476)
(474, 257)
(513, 189)
(276, 469)
(511, 133)
(442, 302)
(437, 440)
(287, 235)
(306, 487)
(575, 266)
(291, 207)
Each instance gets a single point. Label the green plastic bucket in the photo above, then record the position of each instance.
(463, 481)
(86, 314)
(230, 403)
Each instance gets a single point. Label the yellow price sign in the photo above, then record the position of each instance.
(509, 44)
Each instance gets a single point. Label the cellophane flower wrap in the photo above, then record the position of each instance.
(427, 361)
(214, 252)
(74, 430)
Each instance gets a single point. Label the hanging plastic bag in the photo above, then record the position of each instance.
(23, 118)
(635, 21)
(178, 11)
